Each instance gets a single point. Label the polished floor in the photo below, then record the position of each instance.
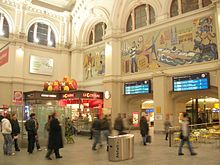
(156, 153)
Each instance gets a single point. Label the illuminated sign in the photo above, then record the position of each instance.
(68, 95)
(91, 95)
(137, 87)
(48, 95)
(135, 118)
(191, 82)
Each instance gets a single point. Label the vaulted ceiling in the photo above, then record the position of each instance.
(58, 5)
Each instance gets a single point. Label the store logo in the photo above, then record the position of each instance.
(69, 95)
(91, 95)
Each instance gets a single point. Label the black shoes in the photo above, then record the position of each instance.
(58, 157)
(180, 154)
(193, 154)
(17, 149)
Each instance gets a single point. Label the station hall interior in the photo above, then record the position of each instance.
(80, 58)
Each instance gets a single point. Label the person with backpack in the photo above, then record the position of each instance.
(32, 132)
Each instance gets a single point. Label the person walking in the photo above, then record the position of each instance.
(15, 131)
(105, 127)
(32, 132)
(96, 128)
(184, 136)
(55, 141)
(167, 125)
(6, 132)
(118, 125)
(144, 129)
(37, 137)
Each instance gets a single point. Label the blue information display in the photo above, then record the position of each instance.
(191, 82)
(137, 87)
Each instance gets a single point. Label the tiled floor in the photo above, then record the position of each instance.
(157, 153)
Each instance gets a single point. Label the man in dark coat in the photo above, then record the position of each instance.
(15, 130)
(119, 125)
(55, 138)
(96, 128)
(32, 132)
(144, 129)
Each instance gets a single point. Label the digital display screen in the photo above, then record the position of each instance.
(137, 87)
(191, 82)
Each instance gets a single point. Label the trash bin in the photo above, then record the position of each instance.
(121, 147)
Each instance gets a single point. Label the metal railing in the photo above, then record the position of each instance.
(204, 126)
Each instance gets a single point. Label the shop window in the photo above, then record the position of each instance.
(41, 34)
(174, 8)
(140, 16)
(4, 27)
(206, 3)
(99, 32)
(129, 24)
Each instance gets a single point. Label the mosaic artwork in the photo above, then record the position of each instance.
(186, 43)
(94, 63)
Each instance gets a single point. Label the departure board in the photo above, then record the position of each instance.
(137, 87)
(191, 82)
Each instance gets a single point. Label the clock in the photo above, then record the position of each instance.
(107, 95)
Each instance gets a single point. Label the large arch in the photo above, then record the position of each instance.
(9, 19)
(129, 7)
(99, 14)
(46, 21)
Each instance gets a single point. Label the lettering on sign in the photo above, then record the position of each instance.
(48, 95)
(91, 95)
(69, 95)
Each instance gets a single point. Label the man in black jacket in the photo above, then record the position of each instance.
(96, 128)
(15, 130)
(32, 132)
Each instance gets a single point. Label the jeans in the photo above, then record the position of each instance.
(144, 139)
(8, 142)
(96, 135)
(182, 143)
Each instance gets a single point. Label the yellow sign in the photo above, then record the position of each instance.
(216, 105)
(158, 110)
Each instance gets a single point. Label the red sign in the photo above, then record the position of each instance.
(18, 97)
(135, 119)
(68, 95)
(4, 56)
(91, 95)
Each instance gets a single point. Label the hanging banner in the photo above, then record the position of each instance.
(4, 56)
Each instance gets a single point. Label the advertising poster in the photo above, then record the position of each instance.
(41, 65)
(18, 97)
(135, 119)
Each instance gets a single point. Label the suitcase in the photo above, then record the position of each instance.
(148, 139)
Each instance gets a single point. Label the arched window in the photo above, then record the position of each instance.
(186, 6)
(41, 34)
(189, 5)
(151, 15)
(129, 24)
(99, 31)
(140, 16)
(174, 8)
(4, 27)
(206, 3)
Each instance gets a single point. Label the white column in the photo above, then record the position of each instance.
(179, 7)
(148, 14)
(76, 66)
(1, 24)
(162, 100)
(133, 20)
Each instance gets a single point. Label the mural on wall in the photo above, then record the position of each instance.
(94, 63)
(186, 43)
